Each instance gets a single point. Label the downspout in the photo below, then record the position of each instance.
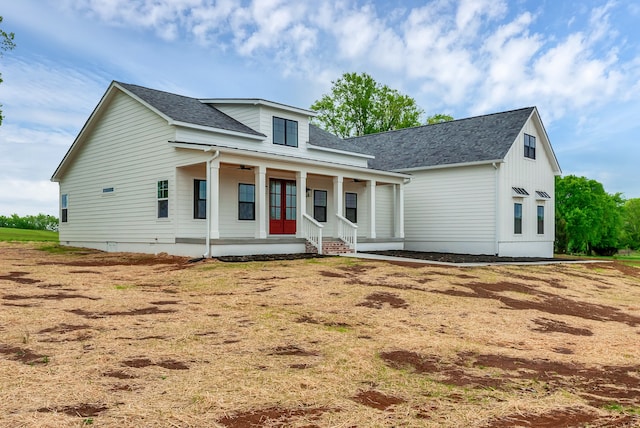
(207, 240)
(497, 212)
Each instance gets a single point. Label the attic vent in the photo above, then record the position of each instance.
(519, 191)
(543, 195)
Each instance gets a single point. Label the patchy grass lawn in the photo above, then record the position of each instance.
(90, 338)
(11, 234)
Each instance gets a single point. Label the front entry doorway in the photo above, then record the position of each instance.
(282, 207)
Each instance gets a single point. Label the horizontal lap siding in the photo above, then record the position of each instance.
(385, 209)
(127, 150)
(452, 205)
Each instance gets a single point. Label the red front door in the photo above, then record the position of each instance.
(282, 207)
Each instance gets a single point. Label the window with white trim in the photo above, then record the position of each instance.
(529, 146)
(163, 198)
(64, 208)
(285, 132)
(351, 207)
(320, 205)
(517, 218)
(540, 219)
(199, 199)
(246, 201)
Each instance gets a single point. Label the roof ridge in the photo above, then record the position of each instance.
(441, 123)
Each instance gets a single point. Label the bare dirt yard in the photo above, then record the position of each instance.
(113, 340)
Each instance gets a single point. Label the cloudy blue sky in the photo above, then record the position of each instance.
(577, 60)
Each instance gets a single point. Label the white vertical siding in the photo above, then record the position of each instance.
(451, 209)
(532, 175)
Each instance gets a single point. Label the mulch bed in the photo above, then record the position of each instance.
(439, 257)
(463, 258)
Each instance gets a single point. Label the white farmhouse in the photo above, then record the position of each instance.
(152, 172)
(156, 172)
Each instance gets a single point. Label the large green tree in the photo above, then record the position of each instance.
(438, 118)
(358, 105)
(6, 44)
(588, 219)
(631, 228)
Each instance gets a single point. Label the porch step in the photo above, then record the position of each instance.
(332, 247)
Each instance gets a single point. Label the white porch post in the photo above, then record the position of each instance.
(214, 199)
(337, 200)
(261, 202)
(301, 195)
(399, 211)
(371, 192)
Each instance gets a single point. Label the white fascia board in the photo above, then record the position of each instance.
(342, 152)
(258, 101)
(279, 157)
(216, 130)
(450, 165)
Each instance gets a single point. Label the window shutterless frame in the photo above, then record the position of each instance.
(517, 219)
(540, 219)
(199, 199)
(163, 198)
(246, 201)
(64, 208)
(529, 146)
(285, 132)
(320, 205)
(351, 207)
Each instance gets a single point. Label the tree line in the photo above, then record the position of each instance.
(33, 222)
(589, 220)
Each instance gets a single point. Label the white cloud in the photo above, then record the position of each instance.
(28, 197)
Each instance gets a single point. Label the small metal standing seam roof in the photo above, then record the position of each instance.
(475, 139)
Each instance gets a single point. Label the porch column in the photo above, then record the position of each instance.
(338, 196)
(261, 202)
(371, 192)
(301, 200)
(214, 198)
(399, 211)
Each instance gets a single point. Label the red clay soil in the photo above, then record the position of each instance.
(378, 300)
(377, 399)
(272, 417)
(597, 385)
(549, 303)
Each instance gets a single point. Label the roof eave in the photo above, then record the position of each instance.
(276, 156)
(450, 165)
(258, 137)
(342, 152)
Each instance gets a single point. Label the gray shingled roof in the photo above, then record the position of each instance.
(321, 138)
(187, 109)
(475, 139)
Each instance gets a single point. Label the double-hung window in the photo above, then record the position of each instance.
(163, 198)
(517, 218)
(64, 208)
(246, 201)
(351, 207)
(199, 199)
(285, 132)
(320, 205)
(529, 146)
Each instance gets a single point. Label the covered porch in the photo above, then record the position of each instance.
(235, 205)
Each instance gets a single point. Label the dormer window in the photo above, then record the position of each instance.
(285, 132)
(529, 146)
